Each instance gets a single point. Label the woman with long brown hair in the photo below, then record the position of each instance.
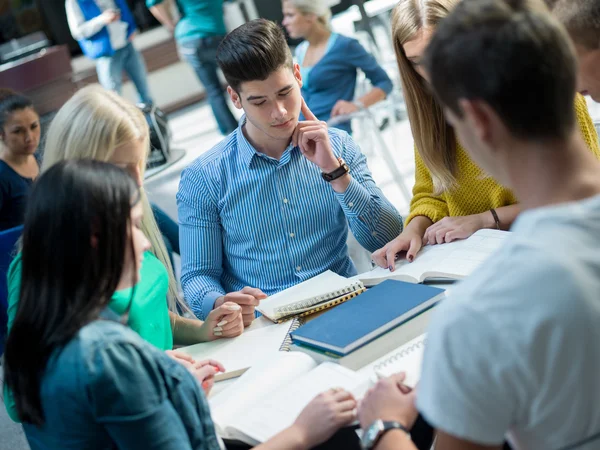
(452, 196)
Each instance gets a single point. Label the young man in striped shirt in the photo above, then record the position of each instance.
(270, 206)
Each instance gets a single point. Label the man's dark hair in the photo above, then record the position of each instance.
(512, 55)
(581, 18)
(253, 52)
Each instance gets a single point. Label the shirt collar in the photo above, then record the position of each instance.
(248, 152)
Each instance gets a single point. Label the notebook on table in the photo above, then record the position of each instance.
(317, 294)
(408, 358)
(269, 397)
(253, 347)
(455, 260)
(354, 324)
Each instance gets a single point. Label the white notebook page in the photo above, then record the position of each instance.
(321, 284)
(279, 409)
(258, 382)
(407, 358)
(252, 347)
(459, 258)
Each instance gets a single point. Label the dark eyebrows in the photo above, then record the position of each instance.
(262, 97)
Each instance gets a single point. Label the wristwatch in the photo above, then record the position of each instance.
(375, 432)
(337, 173)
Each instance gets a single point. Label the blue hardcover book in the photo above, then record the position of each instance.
(366, 317)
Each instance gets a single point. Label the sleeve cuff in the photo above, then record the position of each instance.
(434, 214)
(355, 199)
(207, 304)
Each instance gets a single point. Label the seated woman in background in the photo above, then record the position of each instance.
(20, 135)
(452, 197)
(98, 124)
(329, 63)
(87, 381)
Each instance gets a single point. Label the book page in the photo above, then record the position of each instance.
(407, 358)
(320, 285)
(253, 347)
(454, 260)
(280, 408)
(256, 383)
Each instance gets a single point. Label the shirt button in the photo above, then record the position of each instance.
(292, 235)
(299, 268)
(285, 200)
(374, 233)
(350, 204)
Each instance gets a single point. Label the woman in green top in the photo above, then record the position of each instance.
(98, 124)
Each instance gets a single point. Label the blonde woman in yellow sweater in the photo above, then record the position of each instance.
(452, 197)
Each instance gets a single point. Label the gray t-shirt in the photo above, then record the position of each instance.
(109, 389)
(515, 350)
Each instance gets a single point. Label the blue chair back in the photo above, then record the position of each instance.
(8, 240)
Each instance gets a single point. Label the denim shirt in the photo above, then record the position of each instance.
(107, 388)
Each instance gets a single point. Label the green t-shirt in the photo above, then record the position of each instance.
(148, 316)
(199, 18)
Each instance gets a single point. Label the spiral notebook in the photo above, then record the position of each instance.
(406, 358)
(253, 347)
(317, 294)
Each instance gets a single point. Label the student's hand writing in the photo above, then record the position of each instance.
(248, 298)
(226, 321)
(312, 137)
(390, 400)
(408, 241)
(342, 107)
(452, 228)
(324, 415)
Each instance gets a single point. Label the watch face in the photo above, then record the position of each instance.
(372, 433)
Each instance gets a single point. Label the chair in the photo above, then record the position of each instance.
(8, 240)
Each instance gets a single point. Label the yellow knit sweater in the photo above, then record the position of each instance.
(475, 194)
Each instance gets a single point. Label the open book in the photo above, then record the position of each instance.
(455, 260)
(321, 292)
(269, 397)
(260, 342)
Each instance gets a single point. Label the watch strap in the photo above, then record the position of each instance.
(337, 173)
(384, 427)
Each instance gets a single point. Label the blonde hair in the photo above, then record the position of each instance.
(316, 7)
(92, 124)
(434, 138)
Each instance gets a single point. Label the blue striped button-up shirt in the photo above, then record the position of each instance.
(247, 219)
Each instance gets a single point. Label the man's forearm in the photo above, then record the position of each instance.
(162, 13)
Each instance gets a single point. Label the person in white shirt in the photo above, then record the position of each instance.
(105, 30)
(514, 351)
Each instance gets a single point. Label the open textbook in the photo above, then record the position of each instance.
(316, 294)
(455, 260)
(269, 397)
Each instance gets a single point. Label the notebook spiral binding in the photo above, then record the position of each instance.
(286, 345)
(405, 351)
(302, 305)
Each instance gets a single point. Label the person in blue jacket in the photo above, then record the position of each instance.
(329, 63)
(104, 30)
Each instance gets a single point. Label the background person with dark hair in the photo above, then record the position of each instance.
(581, 18)
(20, 137)
(105, 30)
(198, 32)
(515, 349)
(256, 214)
